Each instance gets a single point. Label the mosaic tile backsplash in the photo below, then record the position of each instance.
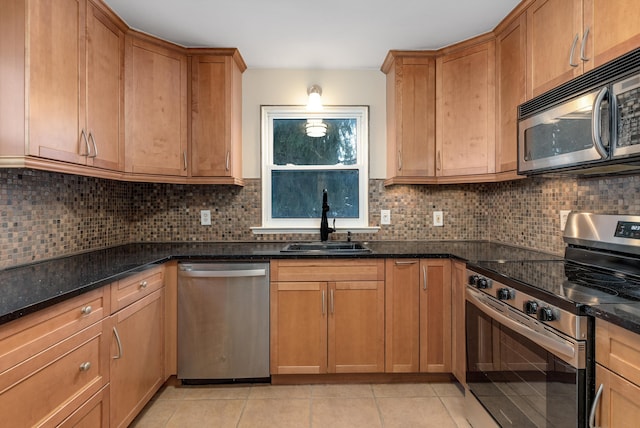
(45, 215)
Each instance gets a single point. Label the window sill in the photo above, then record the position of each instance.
(309, 230)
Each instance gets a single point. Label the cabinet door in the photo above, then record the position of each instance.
(55, 50)
(618, 405)
(458, 349)
(105, 102)
(613, 29)
(216, 114)
(155, 109)
(411, 117)
(356, 327)
(554, 40)
(510, 70)
(402, 302)
(137, 351)
(435, 316)
(465, 127)
(298, 327)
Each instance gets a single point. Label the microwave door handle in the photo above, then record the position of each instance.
(596, 128)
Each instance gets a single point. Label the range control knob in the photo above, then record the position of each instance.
(482, 283)
(531, 307)
(473, 279)
(504, 294)
(546, 314)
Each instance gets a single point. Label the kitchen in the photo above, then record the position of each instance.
(48, 214)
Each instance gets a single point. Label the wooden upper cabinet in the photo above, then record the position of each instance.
(465, 112)
(554, 41)
(155, 108)
(216, 115)
(105, 91)
(614, 29)
(55, 80)
(410, 116)
(510, 90)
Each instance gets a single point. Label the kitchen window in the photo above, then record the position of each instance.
(297, 167)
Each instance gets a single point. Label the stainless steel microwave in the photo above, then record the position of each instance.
(593, 133)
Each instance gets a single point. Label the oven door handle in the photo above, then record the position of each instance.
(557, 346)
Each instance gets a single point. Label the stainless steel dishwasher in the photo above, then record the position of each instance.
(223, 322)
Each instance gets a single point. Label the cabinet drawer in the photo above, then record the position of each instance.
(328, 270)
(134, 287)
(618, 349)
(93, 413)
(47, 388)
(32, 334)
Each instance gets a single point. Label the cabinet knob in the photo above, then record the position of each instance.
(86, 310)
(84, 367)
(143, 284)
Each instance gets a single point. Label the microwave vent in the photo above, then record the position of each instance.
(601, 76)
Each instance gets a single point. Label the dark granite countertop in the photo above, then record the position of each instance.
(29, 288)
(625, 315)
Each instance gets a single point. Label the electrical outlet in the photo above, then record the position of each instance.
(385, 216)
(438, 218)
(205, 217)
(564, 214)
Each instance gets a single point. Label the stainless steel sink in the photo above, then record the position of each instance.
(329, 247)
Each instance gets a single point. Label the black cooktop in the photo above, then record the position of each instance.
(570, 281)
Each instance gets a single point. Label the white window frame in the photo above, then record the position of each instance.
(312, 225)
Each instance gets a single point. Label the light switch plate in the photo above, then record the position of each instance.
(438, 218)
(205, 217)
(385, 216)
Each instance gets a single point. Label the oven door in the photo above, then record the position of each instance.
(521, 372)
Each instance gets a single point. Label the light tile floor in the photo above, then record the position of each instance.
(438, 405)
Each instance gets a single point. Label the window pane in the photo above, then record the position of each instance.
(298, 194)
(292, 146)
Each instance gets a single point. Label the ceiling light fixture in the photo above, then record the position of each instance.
(315, 127)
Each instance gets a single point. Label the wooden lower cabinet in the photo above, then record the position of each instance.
(93, 413)
(331, 326)
(618, 373)
(137, 355)
(418, 315)
(458, 347)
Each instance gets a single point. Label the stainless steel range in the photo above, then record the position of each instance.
(529, 342)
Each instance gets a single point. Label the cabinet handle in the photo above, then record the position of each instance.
(399, 160)
(184, 159)
(227, 161)
(83, 136)
(331, 300)
(324, 306)
(143, 284)
(573, 48)
(424, 278)
(439, 161)
(115, 333)
(403, 263)
(86, 310)
(84, 367)
(592, 414)
(95, 147)
(583, 46)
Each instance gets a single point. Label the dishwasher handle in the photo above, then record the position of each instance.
(223, 273)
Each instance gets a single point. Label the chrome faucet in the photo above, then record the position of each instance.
(325, 230)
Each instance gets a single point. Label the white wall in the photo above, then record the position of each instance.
(289, 87)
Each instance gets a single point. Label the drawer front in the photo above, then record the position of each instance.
(328, 270)
(618, 349)
(130, 289)
(32, 334)
(92, 414)
(47, 388)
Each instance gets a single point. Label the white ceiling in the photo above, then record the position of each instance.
(331, 34)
